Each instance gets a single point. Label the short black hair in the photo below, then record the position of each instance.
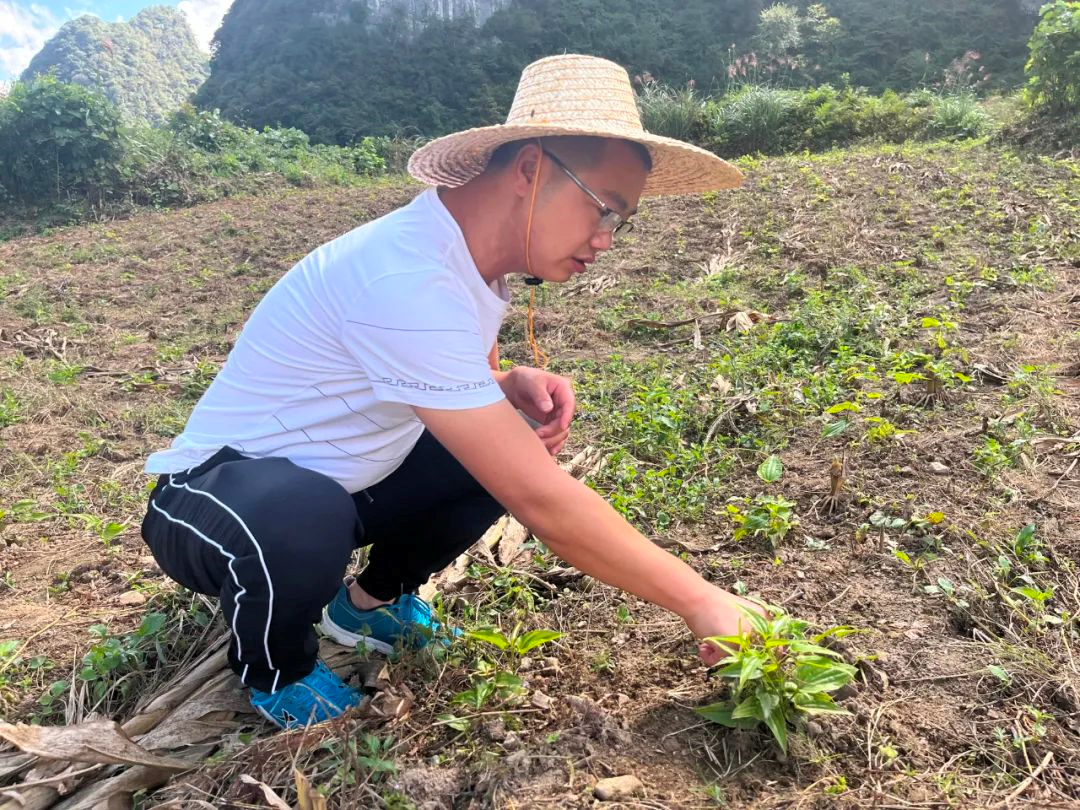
(578, 149)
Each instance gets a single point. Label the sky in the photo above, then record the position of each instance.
(25, 26)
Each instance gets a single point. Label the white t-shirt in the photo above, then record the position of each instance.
(330, 364)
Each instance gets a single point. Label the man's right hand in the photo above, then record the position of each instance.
(720, 615)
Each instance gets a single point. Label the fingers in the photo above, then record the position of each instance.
(710, 654)
(554, 444)
(562, 394)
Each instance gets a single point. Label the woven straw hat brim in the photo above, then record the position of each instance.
(678, 167)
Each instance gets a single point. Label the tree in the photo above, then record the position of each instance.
(57, 141)
(1054, 66)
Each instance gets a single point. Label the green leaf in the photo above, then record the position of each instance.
(1023, 537)
(534, 638)
(757, 621)
(840, 407)
(751, 669)
(504, 680)
(750, 707)
(840, 631)
(906, 378)
(802, 646)
(835, 429)
(455, 722)
(1000, 673)
(770, 469)
(721, 713)
(829, 677)
(151, 624)
(818, 703)
(774, 717)
(489, 635)
(1033, 594)
(930, 323)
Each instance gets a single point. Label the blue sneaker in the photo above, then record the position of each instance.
(408, 619)
(318, 696)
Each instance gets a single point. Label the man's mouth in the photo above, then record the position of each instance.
(581, 264)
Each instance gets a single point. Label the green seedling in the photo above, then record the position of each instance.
(778, 675)
(489, 680)
(517, 643)
(770, 517)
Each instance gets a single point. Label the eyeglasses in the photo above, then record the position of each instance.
(611, 221)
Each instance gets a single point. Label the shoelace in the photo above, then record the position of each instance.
(420, 609)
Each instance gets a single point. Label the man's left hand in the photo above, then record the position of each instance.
(545, 397)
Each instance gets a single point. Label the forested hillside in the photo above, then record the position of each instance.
(342, 69)
(148, 67)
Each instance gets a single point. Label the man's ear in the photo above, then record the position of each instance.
(524, 168)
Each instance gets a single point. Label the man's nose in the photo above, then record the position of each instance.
(602, 240)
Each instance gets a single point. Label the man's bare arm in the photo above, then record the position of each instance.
(511, 463)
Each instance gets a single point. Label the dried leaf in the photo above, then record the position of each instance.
(98, 741)
(513, 537)
(721, 385)
(389, 704)
(307, 797)
(268, 794)
(115, 793)
(744, 320)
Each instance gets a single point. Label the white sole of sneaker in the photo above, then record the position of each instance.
(347, 639)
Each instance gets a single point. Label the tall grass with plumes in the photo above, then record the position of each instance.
(675, 113)
(757, 119)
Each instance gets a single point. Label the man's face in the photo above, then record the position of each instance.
(567, 234)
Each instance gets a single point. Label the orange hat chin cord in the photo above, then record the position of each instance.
(540, 357)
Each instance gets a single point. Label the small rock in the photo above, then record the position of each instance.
(618, 787)
(814, 729)
(937, 468)
(541, 701)
(800, 575)
(132, 599)
(525, 664)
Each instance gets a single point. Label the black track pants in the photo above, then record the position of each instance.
(272, 540)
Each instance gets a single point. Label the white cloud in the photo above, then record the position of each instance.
(204, 17)
(23, 30)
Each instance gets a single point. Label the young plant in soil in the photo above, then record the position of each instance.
(778, 675)
(497, 679)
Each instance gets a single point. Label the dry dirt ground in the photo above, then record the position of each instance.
(960, 264)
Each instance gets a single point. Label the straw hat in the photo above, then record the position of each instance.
(574, 95)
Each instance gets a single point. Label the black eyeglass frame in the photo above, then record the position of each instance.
(611, 221)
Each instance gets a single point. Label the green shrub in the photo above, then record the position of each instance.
(670, 112)
(757, 119)
(58, 142)
(957, 115)
(1053, 68)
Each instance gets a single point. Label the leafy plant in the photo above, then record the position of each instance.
(517, 643)
(769, 516)
(10, 411)
(1053, 67)
(497, 679)
(778, 675)
(57, 139)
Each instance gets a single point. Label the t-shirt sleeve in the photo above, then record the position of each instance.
(416, 335)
